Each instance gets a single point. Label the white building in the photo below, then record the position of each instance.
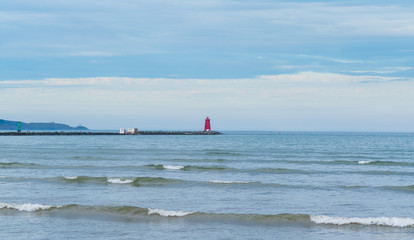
(128, 131)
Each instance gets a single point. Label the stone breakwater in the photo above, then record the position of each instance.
(108, 133)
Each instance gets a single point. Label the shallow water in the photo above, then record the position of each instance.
(247, 185)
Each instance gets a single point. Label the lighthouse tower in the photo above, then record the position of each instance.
(207, 126)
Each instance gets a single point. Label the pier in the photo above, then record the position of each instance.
(65, 130)
(63, 133)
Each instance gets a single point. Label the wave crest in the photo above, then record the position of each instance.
(26, 207)
(137, 213)
(119, 181)
(165, 213)
(364, 162)
(380, 221)
(171, 167)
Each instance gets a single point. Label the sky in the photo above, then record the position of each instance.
(249, 65)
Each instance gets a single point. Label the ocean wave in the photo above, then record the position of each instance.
(164, 167)
(321, 162)
(26, 207)
(166, 213)
(120, 181)
(226, 169)
(228, 182)
(382, 173)
(189, 167)
(138, 213)
(364, 162)
(351, 162)
(40, 166)
(385, 163)
(155, 181)
(409, 188)
(81, 209)
(148, 181)
(84, 179)
(279, 171)
(224, 153)
(71, 177)
(18, 165)
(164, 182)
(353, 186)
(198, 160)
(172, 167)
(379, 221)
(129, 213)
(208, 168)
(137, 181)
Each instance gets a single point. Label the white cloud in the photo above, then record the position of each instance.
(331, 19)
(105, 28)
(338, 60)
(385, 70)
(91, 54)
(168, 83)
(106, 102)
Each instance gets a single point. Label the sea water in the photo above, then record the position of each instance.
(238, 185)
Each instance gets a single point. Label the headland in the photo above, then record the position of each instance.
(51, 126)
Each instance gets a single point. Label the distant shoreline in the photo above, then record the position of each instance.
(70, 133)
(52, 126)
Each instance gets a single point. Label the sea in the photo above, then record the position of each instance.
(237, 185)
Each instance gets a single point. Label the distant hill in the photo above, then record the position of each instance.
(12, 125)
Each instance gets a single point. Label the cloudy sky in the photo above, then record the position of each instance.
(248, 65)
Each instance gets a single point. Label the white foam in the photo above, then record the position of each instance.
(364, 162)
(171, 167)
(26, 207)
(120, 181)
(166, 213)
(380, 221)
(227, 182)
(71, 177)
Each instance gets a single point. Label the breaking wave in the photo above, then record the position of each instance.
(137, 181)
(226, 169)
(379, 221)
(171, 167)
(130, 213)
(26, 207)
(364, 162)
(385, 163)
(166, 213)
(190, 168)
(120, 181)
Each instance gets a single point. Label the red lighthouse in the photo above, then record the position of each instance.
(207, 126)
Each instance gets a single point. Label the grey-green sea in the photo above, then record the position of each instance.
(238, 185)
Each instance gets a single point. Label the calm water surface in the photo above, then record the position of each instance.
(239, 185)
